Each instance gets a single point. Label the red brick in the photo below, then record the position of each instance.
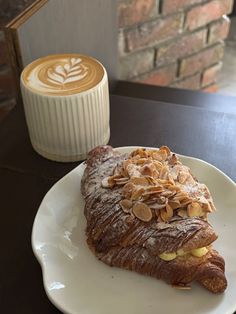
(210, 75)
(201, 60)
(170, 6)
(7, 83)
(211, 89)
(136, 64)
(192, 82)
(204, 14)
(162, 77)
(131, 12)
(153, 32)
(181, 47)
(219, 30)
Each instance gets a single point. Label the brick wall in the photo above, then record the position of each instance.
(177, 43)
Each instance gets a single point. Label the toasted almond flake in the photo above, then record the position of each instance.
(173, 160)
(174, 204)
(142, 211)
(157, 156)
(121, 181)
(164, 173)
(158, 164)
(128, 189)
(166, 213)
(140, 152)
(150, 194)
(182, 176)
(157, 207)
(167, 193)
(132, 170)
(185, 201)
(151, 201)
(126, 205)
(139, 181)
(148, 170)
(179, 196)
(159, 219)
(166, 149)
(108, 182)
(173, 188)
(137, 194)
(142, 161)
(194, 210)
(164, 182)
(117, 171)
(182, 213)
(151, 180)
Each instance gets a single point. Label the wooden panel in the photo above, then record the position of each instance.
(69, 26)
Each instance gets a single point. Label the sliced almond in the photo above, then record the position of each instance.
(158, 164)
(185, 201)
(157, 156)
(137, 194)
(148, 170)
(174, 204)
(108, 182)
(163, 174)
(167, 193)
(180, 196)
(128, 190)
(173, 160)
(126, 205)
(141, 152)
(151, 180)
(166, 149)
(182, 176)
(121, 181)
(153, 190)
(142, 161)
(132, 171)
(182, 213)
(166, 213)
(142, 212)
(194, 210)
(157, 207)
(139, 181)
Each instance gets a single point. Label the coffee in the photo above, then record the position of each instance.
(66, 103)
(63, 74)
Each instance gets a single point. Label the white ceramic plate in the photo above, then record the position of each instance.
(76, 282)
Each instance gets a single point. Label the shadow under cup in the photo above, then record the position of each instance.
(66, 127)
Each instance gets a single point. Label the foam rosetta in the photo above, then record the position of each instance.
(63, 74)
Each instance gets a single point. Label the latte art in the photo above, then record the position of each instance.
(65, 74)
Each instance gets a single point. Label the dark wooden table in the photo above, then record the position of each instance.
(194, 124)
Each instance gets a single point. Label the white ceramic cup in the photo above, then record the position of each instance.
(66, 103)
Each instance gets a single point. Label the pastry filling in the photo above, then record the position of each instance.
(172, 255)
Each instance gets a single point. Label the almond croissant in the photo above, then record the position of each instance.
(146, 212)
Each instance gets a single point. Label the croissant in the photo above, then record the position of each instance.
(147, 213)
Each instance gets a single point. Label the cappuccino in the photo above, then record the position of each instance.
(63, 74)
(66, 103)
